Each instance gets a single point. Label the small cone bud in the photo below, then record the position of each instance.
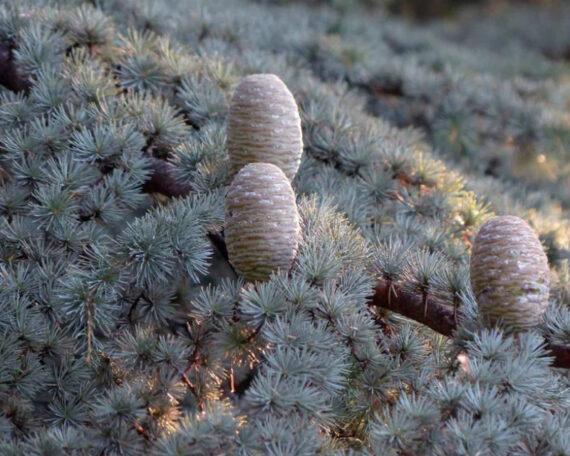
(509, 273)
(264, 125)
(262, 222)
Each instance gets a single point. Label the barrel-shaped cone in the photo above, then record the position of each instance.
(262, 222)
(509, 273)
(264, 125)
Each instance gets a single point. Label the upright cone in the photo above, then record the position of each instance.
(264, 125)
(262, 222)
(509, 273)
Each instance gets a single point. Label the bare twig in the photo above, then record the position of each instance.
(89, 333)
(190, 386)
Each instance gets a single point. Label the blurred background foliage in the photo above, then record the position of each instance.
(425, 9)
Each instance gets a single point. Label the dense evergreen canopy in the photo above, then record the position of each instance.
(124, 330)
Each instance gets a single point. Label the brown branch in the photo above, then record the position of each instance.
(439, 316)
(218, 240)
(190, 386)
(10, 75)
(561, 355)
(89, 332)
(192, 360)
(163, 181)
(141, 430)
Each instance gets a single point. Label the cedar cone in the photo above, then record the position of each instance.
(262, 222)
(264, 125)
(509, 273)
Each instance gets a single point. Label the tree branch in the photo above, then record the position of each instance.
(162, 180)
(10, 76)
(218, 240)
(439, 315)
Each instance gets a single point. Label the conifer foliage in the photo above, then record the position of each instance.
(137, 317)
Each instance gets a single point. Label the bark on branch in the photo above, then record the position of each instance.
(391, 297)
(162, 180)
(10, 75)
(439, 316)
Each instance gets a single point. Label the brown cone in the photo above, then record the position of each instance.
(509, 273)
(262, 222)
(264, 125)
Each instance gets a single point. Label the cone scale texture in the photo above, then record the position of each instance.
(509, 273)
(264, 125)
(262, 222)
